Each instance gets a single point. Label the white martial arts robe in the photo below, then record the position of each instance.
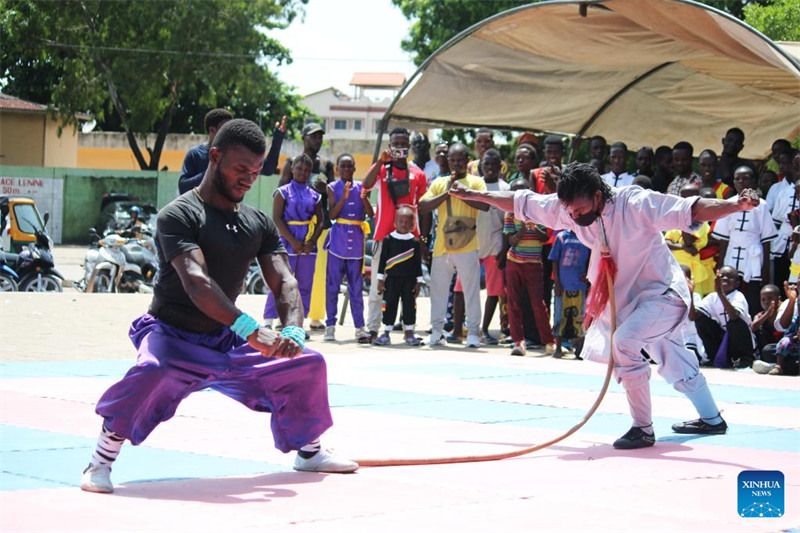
(652, 296)
(614, 180)
(690, 335)
(784, 204)
(746, 233)
(776, 191)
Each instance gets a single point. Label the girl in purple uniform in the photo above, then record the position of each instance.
(297, 212)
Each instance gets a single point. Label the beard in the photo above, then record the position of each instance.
(219, 184)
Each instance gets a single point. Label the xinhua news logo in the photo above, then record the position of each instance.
(761, 494)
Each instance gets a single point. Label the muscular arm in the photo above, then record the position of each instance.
(706, 209)
(279, 278)
(201, 289)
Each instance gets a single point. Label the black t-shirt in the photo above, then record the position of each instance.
(229, 242)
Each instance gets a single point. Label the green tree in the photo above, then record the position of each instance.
(139, 65)
(778, 20)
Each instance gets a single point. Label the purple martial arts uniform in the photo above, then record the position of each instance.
(300, 207)
(182, 350)
(345, 245)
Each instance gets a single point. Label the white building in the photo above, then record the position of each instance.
(355, 117)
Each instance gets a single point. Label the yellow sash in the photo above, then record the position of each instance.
(363, 223)
(310, 223)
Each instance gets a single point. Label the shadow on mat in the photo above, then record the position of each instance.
(663, 450)
(258, 489)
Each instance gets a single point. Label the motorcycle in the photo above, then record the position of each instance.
(140, 250)
(9, 280)
(107, 270)
(35, 267)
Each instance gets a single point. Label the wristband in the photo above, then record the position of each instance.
(297, 334)
(244, 325)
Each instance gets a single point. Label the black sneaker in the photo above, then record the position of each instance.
(700, 427)
(633, 439)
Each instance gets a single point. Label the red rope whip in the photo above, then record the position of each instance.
(605, 278)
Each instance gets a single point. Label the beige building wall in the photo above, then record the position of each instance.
(22, 139)
(60, 151)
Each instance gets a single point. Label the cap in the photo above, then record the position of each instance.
(312, 127)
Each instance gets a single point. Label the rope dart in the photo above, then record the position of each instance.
(607, 269)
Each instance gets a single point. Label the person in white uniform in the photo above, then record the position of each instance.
(745, 240)
(651, 294)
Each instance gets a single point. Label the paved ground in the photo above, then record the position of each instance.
(213, 467)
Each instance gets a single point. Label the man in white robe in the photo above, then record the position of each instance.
(651, 294)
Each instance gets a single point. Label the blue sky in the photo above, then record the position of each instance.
(337, 38)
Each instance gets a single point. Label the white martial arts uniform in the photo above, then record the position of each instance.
(776, 191)
(690, 335)
(651, 293)
(746, 233)
(784, 204)
(621, 180)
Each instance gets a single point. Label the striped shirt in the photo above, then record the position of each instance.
(529, 248)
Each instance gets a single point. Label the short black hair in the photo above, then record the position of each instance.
(662, 151)
(617, 145)
(458, 147)
(581, 180)
(399, 131)
(554, 140)
(745, 168)
(303, 158)
(735, 130)
(241, 132)
(598, 138)
(643, 181)
(492, 152)
(683, 145)
(648, 149)
(215, 118)
(341, 156)
(784, 145)
(708, 151)
(483, 130)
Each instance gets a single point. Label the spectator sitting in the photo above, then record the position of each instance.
(763, 328)
(643, 181)
(788, 348)
(723, 322)
(690, 336)
(570, 260)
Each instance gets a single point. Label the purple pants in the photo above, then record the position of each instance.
(337, 268)
(302, 266)
(174, 363)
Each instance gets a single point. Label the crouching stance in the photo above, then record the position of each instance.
(193, 337)
(652, 297)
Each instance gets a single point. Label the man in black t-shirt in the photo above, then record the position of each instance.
(194, 337)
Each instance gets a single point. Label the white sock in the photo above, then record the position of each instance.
(388, 329)
(107, 448)
(409, 328)
(268, 322)
(705, 405)
(641, 407)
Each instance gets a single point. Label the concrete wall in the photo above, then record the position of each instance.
(60, 151)
(73, 196)
(22, 139)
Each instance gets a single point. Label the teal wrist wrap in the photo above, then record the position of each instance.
(297, 334)
(244, 326)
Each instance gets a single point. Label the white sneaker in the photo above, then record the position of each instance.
(473, 341)
(762, 367)
(325, 461)
(436, 339)
(330, 333)
(97, 478)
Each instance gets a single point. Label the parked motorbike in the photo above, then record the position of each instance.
(9, 280)
(140, 250)
(35, 267)
(107, 270)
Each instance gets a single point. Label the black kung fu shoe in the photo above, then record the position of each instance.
(635, 438)
(700, 427)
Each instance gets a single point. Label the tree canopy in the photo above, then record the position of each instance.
(779, 20)
(143, 67)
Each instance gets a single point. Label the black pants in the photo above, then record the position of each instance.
(740, 343)
(781, 266)
(397, 288)
(752, 293)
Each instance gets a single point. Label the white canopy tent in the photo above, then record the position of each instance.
(644, 72)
